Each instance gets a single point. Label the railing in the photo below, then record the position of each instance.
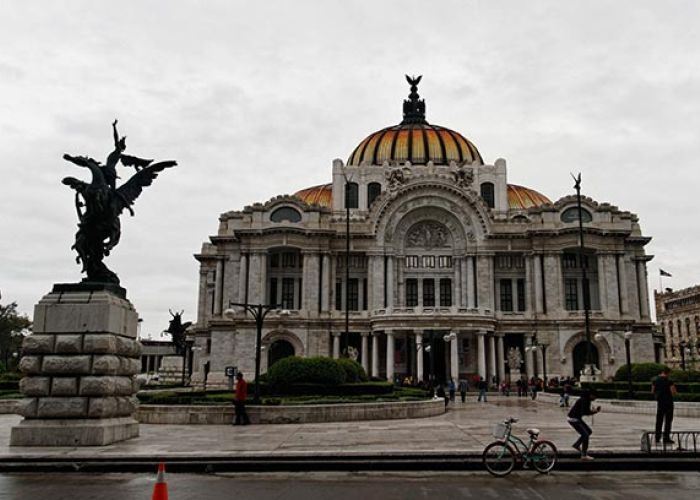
(683, 442)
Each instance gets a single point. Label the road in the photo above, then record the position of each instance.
(364, 486)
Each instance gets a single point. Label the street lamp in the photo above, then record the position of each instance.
(449, 337)
(533, 347)
(589, 368)
(628, 357)
(258, 311)
(683, 345)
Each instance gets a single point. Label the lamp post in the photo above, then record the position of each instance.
(589, 369)
(258, 311)
(533, 347)
(683, 345)
(628, 358)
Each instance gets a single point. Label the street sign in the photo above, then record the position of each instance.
(231, 371)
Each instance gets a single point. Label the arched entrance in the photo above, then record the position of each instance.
(579, 355)
(279, 349)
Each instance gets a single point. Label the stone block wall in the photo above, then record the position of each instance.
(80, 363)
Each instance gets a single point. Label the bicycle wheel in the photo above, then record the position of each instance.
(544, 456)
(498, 458)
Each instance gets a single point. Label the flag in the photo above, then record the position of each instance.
(664, 273)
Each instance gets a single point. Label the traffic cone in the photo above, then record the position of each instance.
(160, 489)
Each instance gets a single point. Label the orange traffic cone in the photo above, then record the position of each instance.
(160, 490)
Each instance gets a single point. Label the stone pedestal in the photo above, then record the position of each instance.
(170, 371)
(590, 373)
(79, 365)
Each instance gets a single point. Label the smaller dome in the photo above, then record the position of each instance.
(520, 197)
(317, 195)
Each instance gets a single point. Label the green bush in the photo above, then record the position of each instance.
(296, 370)
(10, 380)
(641, 372)
(685, 375)
(354, 372)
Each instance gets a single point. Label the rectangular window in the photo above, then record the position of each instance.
(287, 293)
(428, 293)
(521, 294)
(506, 295)
(353, 295)
(445, 292)
(273, 291)
(364, 294)
(569, 261)
(411, 292)
(338, 295)
(411, 261)
(428, 261)
(571, 294)
(289, 259)
(274, 260)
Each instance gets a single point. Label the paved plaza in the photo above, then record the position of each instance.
(466, 427)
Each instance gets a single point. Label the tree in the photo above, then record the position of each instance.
(13, 328)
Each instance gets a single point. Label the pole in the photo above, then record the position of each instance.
(630, 391)
(347, 267)
(584, 267)
(258, 314)
(544, 363)
(682, 346)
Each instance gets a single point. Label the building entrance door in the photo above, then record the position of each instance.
(435, 361)
(579, 356)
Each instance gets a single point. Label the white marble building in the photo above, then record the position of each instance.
(443, 252)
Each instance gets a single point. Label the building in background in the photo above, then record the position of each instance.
(678, 317)
(444, 252)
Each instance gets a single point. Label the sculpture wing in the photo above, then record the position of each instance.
(134, 161)
(74, 183)
(131, 189)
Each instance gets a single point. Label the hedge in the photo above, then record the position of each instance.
(296, 370)
(641, 372)
(354, 372)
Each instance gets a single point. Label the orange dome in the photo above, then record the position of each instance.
(415, 140)
(520, 197)
(418, 143)
(317, 195)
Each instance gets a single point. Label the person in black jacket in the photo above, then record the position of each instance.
(581, 408)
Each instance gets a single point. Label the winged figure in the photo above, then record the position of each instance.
(178, 330)
(99, 205)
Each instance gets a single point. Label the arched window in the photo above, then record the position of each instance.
(687, 329)
(580, 354)
(488, 194)
(571, 215)
(351, 195)
(279, 349)
(285, 213)
(374, 189)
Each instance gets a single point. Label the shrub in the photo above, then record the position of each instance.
(353, 370)
(641, 372)
(296, 370)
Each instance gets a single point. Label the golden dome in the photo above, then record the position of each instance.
(415, 140)
(519, 197)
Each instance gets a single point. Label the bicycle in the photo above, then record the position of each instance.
(500, 457)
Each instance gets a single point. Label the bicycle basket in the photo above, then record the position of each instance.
(499, 430)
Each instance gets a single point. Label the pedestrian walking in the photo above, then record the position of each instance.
(441, 394)
(463, 390)
(582, 408)
(483, 387)
(451, 387)
(565, 396)
(240, 399)
(664, 389)
(519, 385)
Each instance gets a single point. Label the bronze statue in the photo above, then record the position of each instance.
(100, 203)
(177, 329)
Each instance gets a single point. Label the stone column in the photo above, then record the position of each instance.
(481, 352)
(390, 282)
(529, 365)
(454, 357)
(500, 361)
(492, 358)
(484, 280)
(457, 302)
(537, 276)
(400, 283)
(377, 281)
(243, 279)
(624, 289)
(79, 365)
(419, 356)
(553, 282)
(310, 282)
(326, 283)
(336, 344)
(389, 355)
(643, 289)
(364, 351)
(375, 354)
(471, 297)
(218, 287)
(463, 281)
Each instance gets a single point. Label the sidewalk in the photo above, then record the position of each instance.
(461, 432)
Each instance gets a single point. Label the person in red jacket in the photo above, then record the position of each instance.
(239, 400)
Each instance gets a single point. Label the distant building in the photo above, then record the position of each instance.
(678, 317)
(443, 252)
(152, 354)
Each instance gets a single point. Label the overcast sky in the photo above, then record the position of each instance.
(255, 99)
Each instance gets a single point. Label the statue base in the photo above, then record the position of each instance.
(590, 374)
(79, 365)
(73, 432)
(89, 286)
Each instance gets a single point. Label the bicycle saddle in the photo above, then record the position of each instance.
(510, 420)
(533, 432)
